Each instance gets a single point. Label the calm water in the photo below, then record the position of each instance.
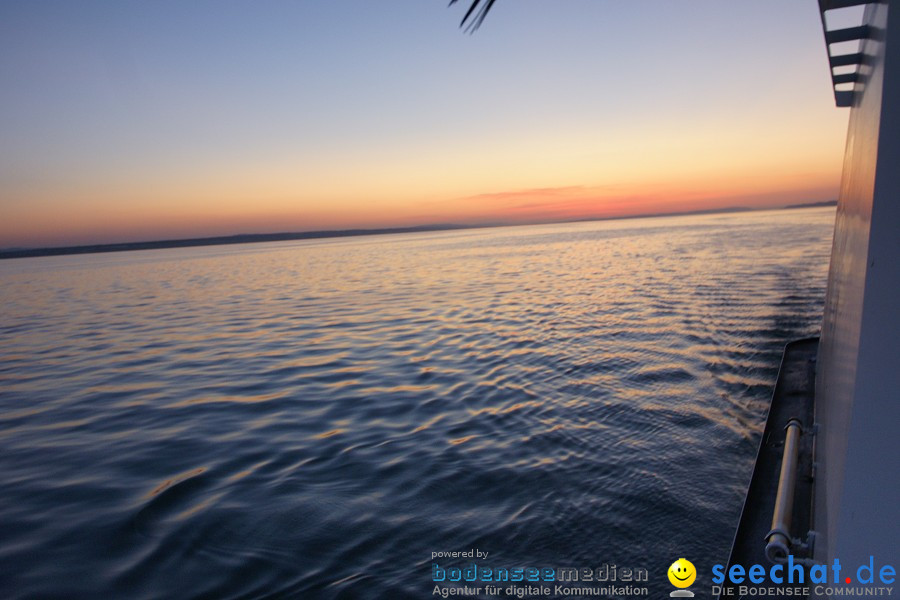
(314, 419)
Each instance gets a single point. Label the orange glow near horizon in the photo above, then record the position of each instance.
(107, 223)
(508, 185)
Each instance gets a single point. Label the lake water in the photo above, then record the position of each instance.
(314, 419)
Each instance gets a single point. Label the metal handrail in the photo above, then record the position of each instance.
(778, 540)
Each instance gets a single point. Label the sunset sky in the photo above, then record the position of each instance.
(127, 121)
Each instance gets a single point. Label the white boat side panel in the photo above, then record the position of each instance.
(858, 374)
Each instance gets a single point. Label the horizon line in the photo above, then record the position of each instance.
(250, 238)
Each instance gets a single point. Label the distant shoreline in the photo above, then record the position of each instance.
(312, 235)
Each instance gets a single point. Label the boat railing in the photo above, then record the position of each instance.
(778, 540)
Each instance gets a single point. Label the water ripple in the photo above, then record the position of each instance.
(313, 419)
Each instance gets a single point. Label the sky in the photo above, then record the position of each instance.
(127, 121)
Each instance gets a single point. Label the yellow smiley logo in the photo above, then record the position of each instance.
(682, 573)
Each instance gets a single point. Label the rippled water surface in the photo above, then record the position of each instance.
(314, 419)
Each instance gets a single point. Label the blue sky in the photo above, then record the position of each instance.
(128, 120)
